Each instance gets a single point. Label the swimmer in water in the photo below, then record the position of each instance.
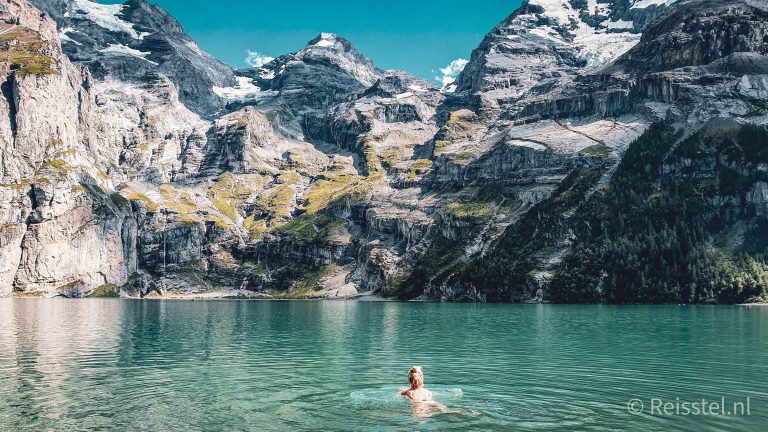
(423, 405)
(421, 399)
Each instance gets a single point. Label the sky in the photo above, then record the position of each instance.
(419, 36)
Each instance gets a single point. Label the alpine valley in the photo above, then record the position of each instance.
(590, 151)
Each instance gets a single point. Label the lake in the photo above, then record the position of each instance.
(108, 364)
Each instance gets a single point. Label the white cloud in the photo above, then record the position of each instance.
(450, 72)
(256, 59)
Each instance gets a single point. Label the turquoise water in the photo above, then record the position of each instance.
(88, 365)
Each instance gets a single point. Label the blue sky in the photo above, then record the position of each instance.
(419, 36)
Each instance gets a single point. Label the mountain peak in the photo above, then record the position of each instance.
(331, 49)
(331, 41)
(324, 40)
(548, 40)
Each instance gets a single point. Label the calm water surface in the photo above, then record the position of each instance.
(88, 365)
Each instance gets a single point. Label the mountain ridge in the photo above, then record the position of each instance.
(130, 40)
(320, 175)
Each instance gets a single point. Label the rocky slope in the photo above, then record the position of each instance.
(136, 41)
(134, 162)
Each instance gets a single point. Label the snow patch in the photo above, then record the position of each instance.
(266, 73)
(532, 145)
(111, 85)
(621, 25)
(596, 46)
(592, 7)
(598, 49)
(105, 16)
(122, 49)
(642, 4)
(548, 33)
(417, 88)
(326, 40)
(243, 90)
(559, 10)
(65, 37)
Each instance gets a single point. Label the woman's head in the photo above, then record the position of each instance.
(416, 377)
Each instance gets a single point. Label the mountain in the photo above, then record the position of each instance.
(136, 41)
(327, 71)
(544, 47)
(591, 151)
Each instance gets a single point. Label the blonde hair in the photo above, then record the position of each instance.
(416, 377)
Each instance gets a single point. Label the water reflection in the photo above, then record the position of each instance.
(40, 341)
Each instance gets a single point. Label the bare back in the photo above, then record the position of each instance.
(417, 394)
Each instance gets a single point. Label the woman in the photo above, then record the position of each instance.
(423, 405)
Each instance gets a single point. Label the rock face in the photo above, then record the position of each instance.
(130, 157)
(62, 232)
(699, 33)
(135, 42)
(326, 72)
(546, 47)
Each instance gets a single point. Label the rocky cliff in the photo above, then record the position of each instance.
(133, 162)
(134, 42)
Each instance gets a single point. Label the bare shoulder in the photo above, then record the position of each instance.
(404, 391)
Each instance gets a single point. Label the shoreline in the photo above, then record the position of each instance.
(212, 295)
(361, 297)
(252, 295)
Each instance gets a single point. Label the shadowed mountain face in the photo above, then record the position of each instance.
(700, 33)
(600, 151)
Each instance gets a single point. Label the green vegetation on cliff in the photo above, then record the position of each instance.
(334, 185)
(508, 267)
(675, 224)
(23, 49)
(470, 210)
(150, 205)
(309, 286)
(439, 261)
(459, 126)
(311, 228)
(231, 191)
(105, 291)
